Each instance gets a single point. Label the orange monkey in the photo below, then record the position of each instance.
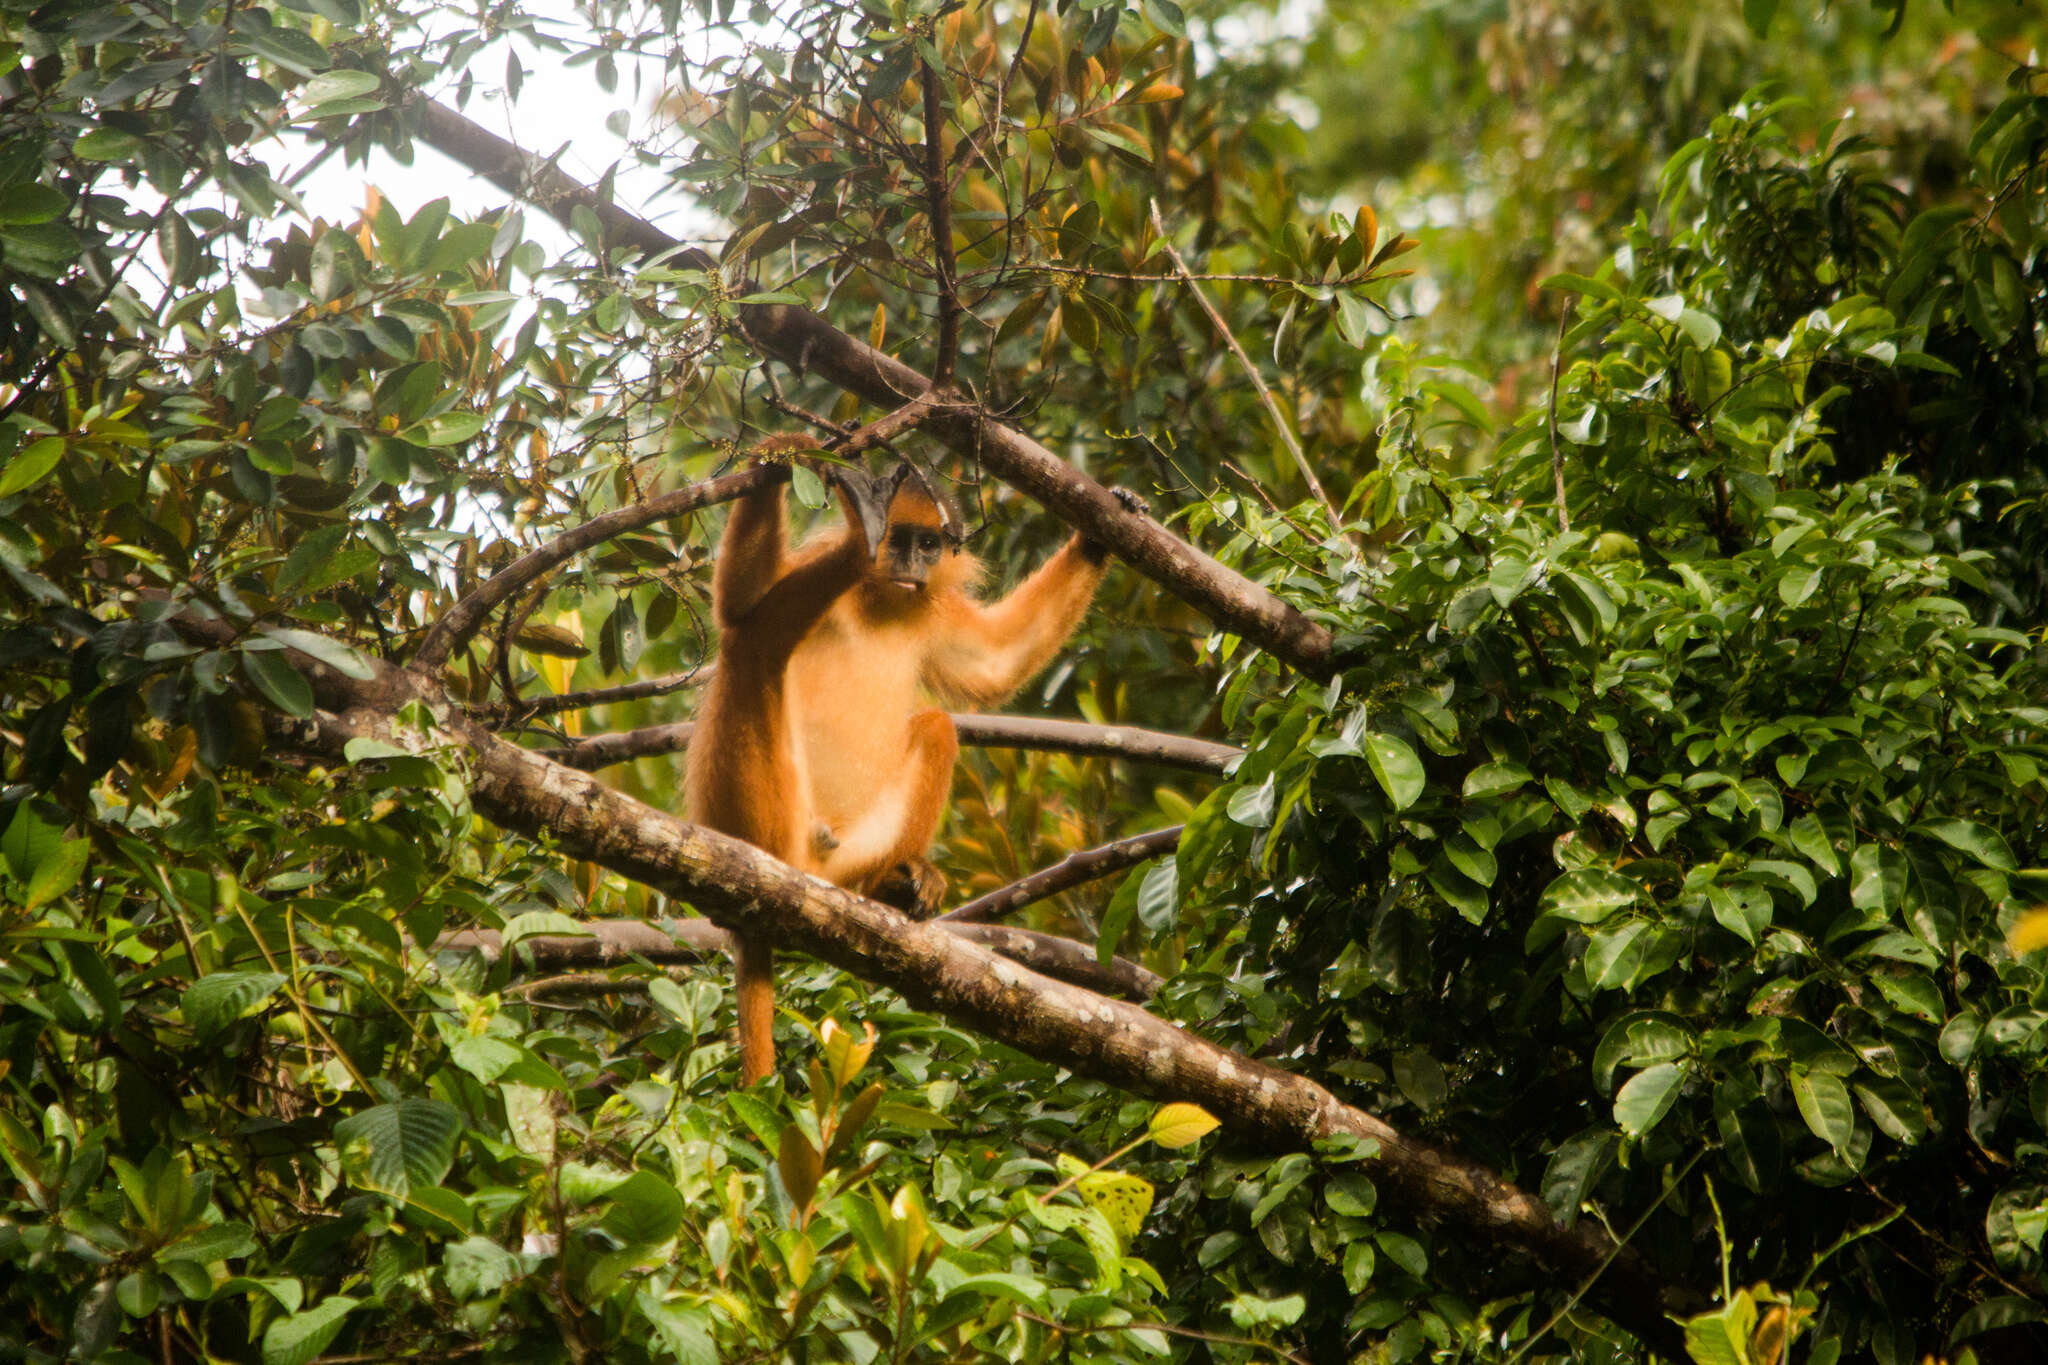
(878, 754)
(744, 778)
(815, 743)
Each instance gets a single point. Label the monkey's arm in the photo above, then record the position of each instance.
(754, 554)
(751, 556)
(984, 652)
(807, 585)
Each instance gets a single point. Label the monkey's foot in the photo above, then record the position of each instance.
(823, 840)
(913, 886)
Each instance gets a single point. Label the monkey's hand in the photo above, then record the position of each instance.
(866, 498)
(1130, 502)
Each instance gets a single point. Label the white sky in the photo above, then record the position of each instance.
(558, 110)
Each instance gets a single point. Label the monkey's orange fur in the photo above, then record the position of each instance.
(819, 741)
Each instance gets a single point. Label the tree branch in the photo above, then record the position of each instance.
(614, 942)
(801, 338)
(753, 895)
(938, 188)
(532, 708)
(1281, 422)
(991, 732)
(1073, 870)
(461, 621)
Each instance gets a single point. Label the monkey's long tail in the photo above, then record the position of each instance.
(753, 973)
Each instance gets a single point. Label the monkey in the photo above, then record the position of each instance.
(879, 753)
(744, 776)
(816, 742)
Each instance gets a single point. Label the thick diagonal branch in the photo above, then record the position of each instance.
(801, 338)
(1121, 1044)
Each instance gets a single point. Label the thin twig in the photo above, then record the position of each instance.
(1280, 421)
(1166, 1329)
(1128, 742)
(1564, 516)
(1620, 1245)
(577, 965)
(1075, 869)
(939, 212)
(532, 708)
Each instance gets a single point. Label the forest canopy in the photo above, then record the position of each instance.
(1536, 855)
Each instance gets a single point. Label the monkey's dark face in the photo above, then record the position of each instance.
(909, 552)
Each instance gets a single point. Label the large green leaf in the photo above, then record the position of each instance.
(220, 998)
(392, 1147)
(1648, 1097)
(296, 1339)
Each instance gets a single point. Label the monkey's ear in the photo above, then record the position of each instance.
(868, 497)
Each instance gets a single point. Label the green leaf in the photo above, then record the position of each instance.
(1574, 1168)
(1016, 1288)
(31, 466)
(1580, 284)
(1648, 1097)
(1495, 779)
(808, 487)
(1981, 842)
(1894, 1107)
(1469, 858)
(297, 1339)
(477, 1266)
(1507, 579)
(392, 1147)
(339, 85)
(1796, 585)
(1404, 1251)
(333, 653)
(452, 428)
(1913, 993)
(276, 679)
(646, 1210)
(1701, 329)
(1823, 1100)
(57, 872)
(220, 998)
(1614, 956)
(289, 48)
(1722, 1338)
(106, 144)
(24, 205)
(1758, 15)
(213, 1243)
(2007, 1310)
(1159, 897)
(1395, 767)
(683, 1328)
(1743, 910)
(28, 840)
(1252, 807)
(1589, 895)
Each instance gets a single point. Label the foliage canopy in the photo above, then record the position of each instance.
(1655, 837)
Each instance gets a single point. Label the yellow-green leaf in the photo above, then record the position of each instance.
(1180, 1125)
